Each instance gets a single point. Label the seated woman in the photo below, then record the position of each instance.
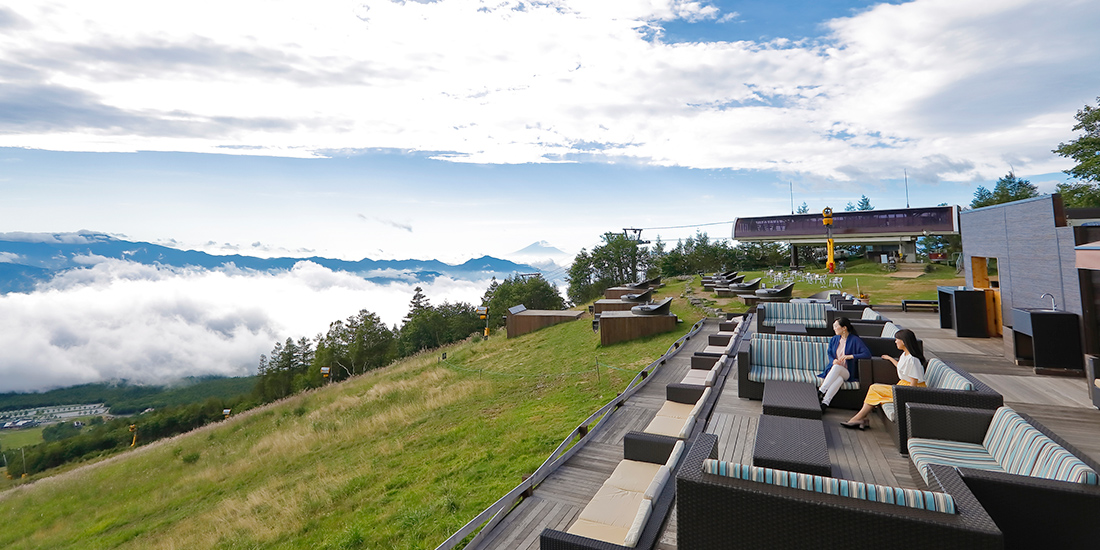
(844, 349)
(910, 373)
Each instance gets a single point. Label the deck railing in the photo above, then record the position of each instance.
(496, 512)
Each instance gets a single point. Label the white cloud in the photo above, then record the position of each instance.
(119, 319)
(977, 83)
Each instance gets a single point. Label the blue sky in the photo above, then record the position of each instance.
(394, 129)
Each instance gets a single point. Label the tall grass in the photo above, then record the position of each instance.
(397, 458)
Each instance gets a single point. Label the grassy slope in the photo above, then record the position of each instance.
(399, 458)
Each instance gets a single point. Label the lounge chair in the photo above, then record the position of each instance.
(777, 294)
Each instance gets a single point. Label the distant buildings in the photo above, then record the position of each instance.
(24, 418)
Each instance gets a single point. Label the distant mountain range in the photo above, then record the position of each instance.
(26, 259)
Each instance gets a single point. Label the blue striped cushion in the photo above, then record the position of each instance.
(913, 498)
(763, 374)
(811, 315)
(949, 453)
(790, 337)
(1007, 438)
(939, 375)
(810, 356)
(1055, 462)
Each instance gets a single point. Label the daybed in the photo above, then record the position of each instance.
(1041, 491)
(724, 505)
(640, 489)
(777, 294)
(737, 289)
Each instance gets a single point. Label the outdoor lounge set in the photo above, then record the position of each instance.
(1040, 490)
(727, 505)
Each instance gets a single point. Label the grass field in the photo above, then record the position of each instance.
(14, 439)
(861, 276)
(399, 458)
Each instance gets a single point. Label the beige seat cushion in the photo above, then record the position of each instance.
(613, 506)
(633, 475)
(716, 350)
(696, 377)
(672, 409)
(664, 425)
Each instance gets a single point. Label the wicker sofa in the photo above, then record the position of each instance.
(1040, 490)
(817, 318)
(732, 509)
(946, 385)
(792, 358)
(630, 506)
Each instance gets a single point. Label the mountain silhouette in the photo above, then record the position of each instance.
(26, 260)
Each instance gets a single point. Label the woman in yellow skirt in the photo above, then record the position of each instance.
(910, 373)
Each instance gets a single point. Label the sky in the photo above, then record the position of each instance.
(451, 129)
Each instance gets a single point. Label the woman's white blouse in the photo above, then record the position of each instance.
(910, 367)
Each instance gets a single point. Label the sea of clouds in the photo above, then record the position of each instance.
(115, 319)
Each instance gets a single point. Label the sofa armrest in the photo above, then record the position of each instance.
(1057, 514)
(644, 447)
(684, 393)
(877, 371)
(551, 539)
(948, 423)
(970, 399)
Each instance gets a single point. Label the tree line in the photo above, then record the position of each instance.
(363, 342)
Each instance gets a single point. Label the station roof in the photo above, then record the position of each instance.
(859, 226)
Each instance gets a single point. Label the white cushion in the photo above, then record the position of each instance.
(658, 483)
(635, 532)
(688, 425)
(869, 314)
(674, 457)
(889, 330)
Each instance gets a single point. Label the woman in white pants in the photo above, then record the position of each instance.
(845, 349)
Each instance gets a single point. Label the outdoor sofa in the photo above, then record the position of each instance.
(946, 385)
(792, 358)
(817, 318)
(629, 508)
(725, 505)
(1041, 491)
(682, 407)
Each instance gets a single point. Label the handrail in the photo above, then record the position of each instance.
(496, 511)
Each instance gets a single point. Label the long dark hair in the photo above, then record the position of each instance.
(844, 322)
(910, 340)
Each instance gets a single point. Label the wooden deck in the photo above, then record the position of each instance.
(1060, 403)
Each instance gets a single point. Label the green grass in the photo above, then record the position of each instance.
(14, 439)
(860, 276)
(398, 458)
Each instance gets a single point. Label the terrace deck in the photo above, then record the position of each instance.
(1062, 404)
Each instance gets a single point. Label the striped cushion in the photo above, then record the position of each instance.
(801, 355)
(1009, 442)
(811, 315)
(949, 453)
(939, 375)
(913, 498)
(870, 315)
(1055, 462)
(889, 410)
(790, 337)
(763, 374)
